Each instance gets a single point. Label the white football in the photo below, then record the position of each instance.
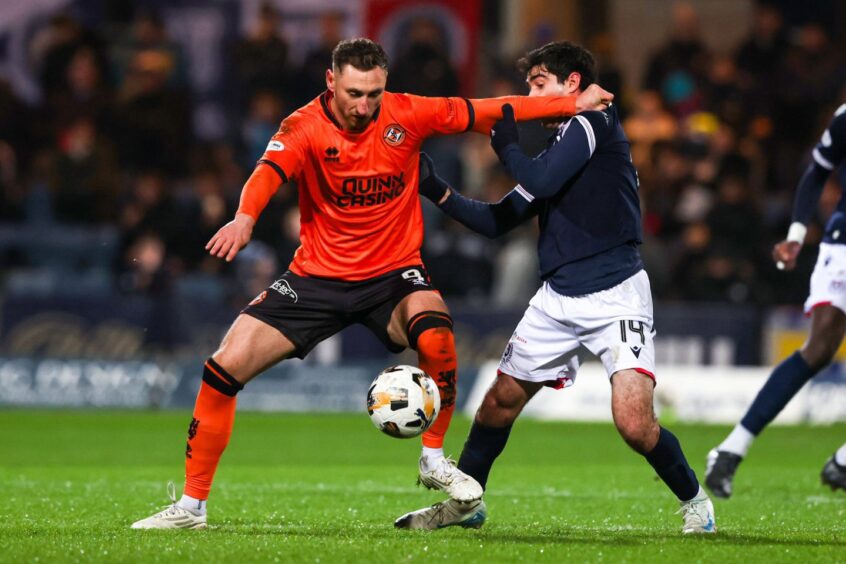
(403, 401)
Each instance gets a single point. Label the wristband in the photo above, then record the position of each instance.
(796, 233)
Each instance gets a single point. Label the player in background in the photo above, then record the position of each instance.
(826, 305)
(595, 293)
(354, 152)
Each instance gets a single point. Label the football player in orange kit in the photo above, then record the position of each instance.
(354, 153)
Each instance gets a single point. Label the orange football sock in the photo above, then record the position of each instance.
(210, 429)
(435, 346)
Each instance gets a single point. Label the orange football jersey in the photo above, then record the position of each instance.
(359, 208)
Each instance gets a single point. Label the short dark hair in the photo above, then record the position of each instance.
(561, 58)
(362, 53)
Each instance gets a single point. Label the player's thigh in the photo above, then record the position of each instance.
(250, 347)
(505, 399)
(305, 310)
(407, 292)
(828, 281)
(826, 304)
(544, 347)
(616, 325)
(828, 326)
(409, 306)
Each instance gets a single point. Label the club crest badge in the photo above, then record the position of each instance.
(394, 135)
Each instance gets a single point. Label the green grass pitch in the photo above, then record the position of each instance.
(326, 488)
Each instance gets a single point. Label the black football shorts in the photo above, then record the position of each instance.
(308, 310)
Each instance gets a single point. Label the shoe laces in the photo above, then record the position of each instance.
(439, 512)
(448, 468)
(694, 512)
(171, 509)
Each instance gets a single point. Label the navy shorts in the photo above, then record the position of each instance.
(308, 310)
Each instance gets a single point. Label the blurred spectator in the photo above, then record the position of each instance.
(423, 66)
(54, 47)
(205, 209)
(718, 141)
(810, 78)
(609, 74)
(154, 119)
(149, 208)
(143, 268)
(84, 181)
(265, 112)
(758, 56)
(148, 33)
(311, 77)
(84, 93)
(12, 192)
(647, 124)
(16, 122)
(734, 220)
(717, 278)
(723, 94)
(678, 68)
(669, 175)
(261, 58)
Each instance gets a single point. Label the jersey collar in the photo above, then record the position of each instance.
(327, 109)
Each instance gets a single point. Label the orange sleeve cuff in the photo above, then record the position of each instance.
(489, 110)
(258, 190)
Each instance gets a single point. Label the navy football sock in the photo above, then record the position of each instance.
(669, 462)
(787, 379)
(483, 445)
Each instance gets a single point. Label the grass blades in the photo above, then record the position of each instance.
(327, 487)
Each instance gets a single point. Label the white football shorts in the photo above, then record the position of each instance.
(828, 281)
(557, 332)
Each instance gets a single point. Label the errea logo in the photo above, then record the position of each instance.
(394, 135)
(331, 155)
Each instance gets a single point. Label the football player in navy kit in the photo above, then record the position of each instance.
(595, 293)
(825, 305)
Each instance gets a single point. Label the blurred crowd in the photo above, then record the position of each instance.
(105, 187)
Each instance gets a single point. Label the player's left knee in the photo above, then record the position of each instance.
(641, 435)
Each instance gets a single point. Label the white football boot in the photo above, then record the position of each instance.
(172, 517)
(698, 514)
(446, 476)
(449, 513)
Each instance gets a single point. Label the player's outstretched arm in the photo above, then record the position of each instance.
(235, 235)
(231, 238)
(490, 220)
(544, 176)
(488, 110)
(808, 192)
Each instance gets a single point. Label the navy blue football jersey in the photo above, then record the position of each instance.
(828, 154)
(584, 190)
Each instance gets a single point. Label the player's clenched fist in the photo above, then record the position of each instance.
(593, 98)
(785, 254)
(231, 238)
